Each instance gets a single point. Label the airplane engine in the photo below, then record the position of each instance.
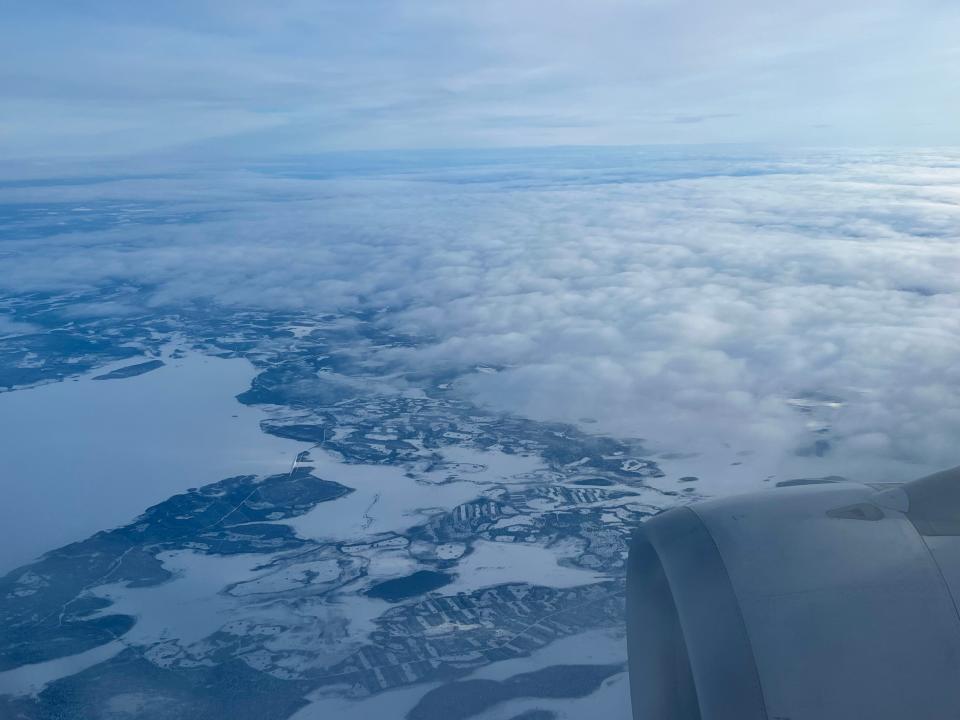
(812, 601)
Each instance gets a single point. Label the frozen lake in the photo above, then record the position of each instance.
(82, 456)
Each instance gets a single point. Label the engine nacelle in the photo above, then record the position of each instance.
(817, 601)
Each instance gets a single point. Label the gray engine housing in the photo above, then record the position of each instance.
(817, 601)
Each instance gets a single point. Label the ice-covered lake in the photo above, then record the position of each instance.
(85, 455)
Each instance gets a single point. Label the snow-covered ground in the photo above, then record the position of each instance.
(495, 563)
(82, 456)
(598, 647)
(384, 499)
(32, 679)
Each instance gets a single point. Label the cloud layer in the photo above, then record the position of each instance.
(696, 309)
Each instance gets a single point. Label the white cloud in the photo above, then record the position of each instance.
(686, 311)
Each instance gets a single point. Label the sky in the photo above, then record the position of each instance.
(218, 78)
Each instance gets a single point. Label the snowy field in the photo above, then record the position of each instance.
(82, 455)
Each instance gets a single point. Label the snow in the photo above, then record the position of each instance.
(116, 447)
(388, 705)
(594, 647)
(384, 499)
(32, 679)
(612, 700)
(493, 563)
(488, 466)
(187, 608)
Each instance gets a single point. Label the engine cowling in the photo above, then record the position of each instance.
(816, 601)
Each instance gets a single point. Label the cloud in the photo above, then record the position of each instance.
(697, 311)
(247, 79)
(695, 119)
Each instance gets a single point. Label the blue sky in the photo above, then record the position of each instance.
(251, 78)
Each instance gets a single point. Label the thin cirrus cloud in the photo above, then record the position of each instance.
(88, 78)
(689, 308)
